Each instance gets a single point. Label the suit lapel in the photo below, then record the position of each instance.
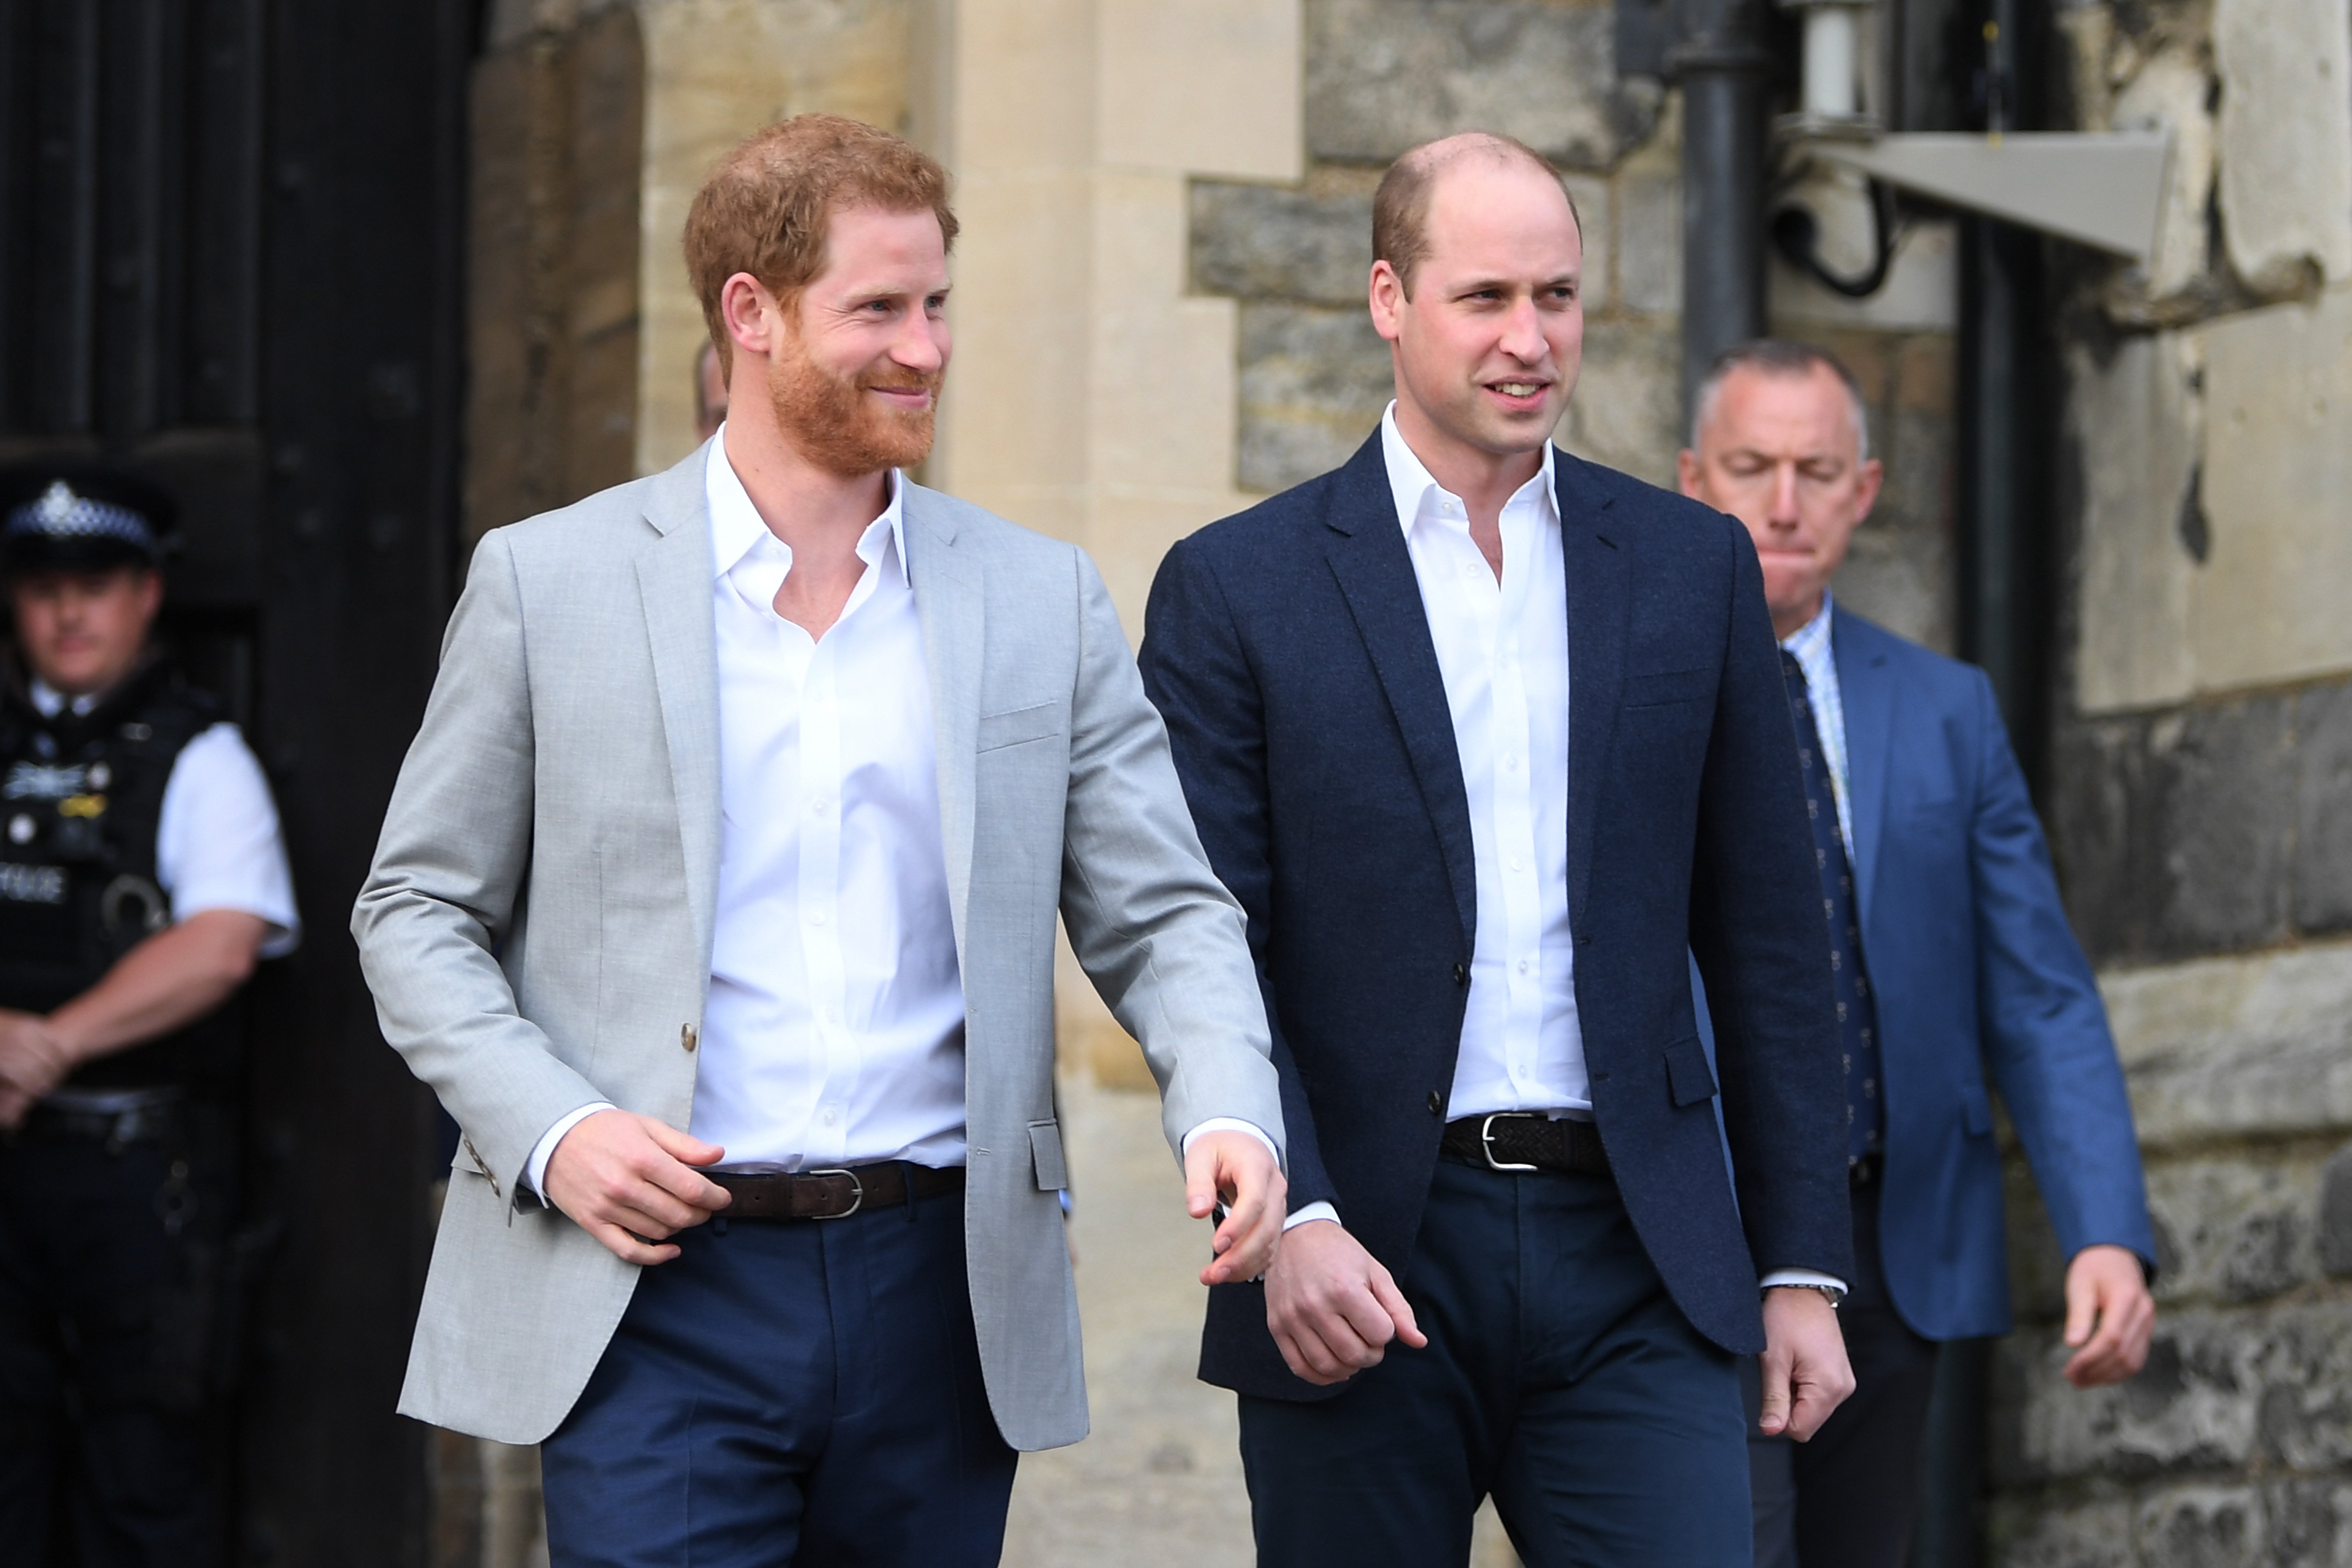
(950, 601)
(674, 583)
(1866, 690)
(1368, 555)
(1598, 610)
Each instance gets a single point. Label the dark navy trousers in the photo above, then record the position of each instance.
(1559, 1378)
(789, 1393)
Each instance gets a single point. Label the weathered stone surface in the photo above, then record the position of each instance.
(1386, 75)
(2336, 1214)
(2285, 138)
(2269, 602)
(2203, 1527)
(2235, 1229)
(2136, 420)
(1313, 384)
(1260, 242)
(2322, 839)
(2034, 1532)
(2290, 1522)
(1627, 408)
(1650, 240)
(2176, 831)
(2221, 1388)
(2171, 93)
(2237, 1047)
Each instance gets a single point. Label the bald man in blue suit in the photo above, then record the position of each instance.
(1953, 962)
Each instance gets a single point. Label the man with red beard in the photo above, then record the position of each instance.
(716, 902)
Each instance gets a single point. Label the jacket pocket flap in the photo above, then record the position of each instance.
(1011, 729)
(1689, 1078)
(1667, 686)
(1046, 1150)
(1976, 1110)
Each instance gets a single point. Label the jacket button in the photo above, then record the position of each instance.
(1461, 975)
(1436, 1103)
(688, 1035)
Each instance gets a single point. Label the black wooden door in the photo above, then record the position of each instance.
(230, 254)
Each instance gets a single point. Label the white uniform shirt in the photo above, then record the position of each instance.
(217, 843)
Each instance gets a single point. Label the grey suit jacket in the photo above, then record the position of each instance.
(536, 926)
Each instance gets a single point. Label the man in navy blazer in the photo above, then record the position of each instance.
(1486, 738)
(1956, 948)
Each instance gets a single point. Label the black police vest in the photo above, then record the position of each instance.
(82, 798)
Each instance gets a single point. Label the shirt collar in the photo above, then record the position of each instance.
(1812, 640)
(736, 528)
(1415, 488)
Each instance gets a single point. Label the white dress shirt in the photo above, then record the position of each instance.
(1502, 650)
(217, 843)
(833, 1032)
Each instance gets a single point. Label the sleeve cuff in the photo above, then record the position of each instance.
(1231, 1125)
(1312, 1211)
(535, 1172)
(1802, 1276)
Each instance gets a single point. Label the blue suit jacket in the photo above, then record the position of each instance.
(1288, 650)
(1975, 969)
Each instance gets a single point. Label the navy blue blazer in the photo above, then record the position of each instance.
(1975, 968)
(1288, 650)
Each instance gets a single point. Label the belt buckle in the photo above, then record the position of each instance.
(1487, 1141)
(857, 1187)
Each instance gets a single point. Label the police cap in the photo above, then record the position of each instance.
(65, 517)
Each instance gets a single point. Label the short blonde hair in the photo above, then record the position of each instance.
(764, 208)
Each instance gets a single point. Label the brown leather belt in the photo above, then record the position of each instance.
(833, 1195)
(1527, 1140)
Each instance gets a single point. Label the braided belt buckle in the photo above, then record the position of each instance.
(857, 1194)
(1486, 1140)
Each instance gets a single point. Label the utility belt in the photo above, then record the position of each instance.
(119, 1118)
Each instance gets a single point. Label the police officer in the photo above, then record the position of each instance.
(142, 875)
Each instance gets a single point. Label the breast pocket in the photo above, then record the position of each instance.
(1019, 726)
(1667, 687)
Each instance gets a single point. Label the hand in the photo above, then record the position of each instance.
(33, 1062)
(1237, 1168)
(2106, 1287)
(1806, 1375)
(628, 1181)
(1332, 1308)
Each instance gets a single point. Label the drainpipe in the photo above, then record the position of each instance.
(1724, 71)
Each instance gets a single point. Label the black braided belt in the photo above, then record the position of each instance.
(1527, 1140)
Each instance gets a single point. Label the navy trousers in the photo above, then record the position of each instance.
(1558, 1377)
(1850, 1498)
(789, 1393)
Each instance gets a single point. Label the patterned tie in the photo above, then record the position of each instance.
(1857, 1013)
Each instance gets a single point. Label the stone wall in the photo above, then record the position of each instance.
(2201, 806)
(1384, 75)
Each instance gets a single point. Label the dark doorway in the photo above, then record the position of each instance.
(230, 254)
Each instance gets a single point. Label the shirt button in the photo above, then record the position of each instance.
(831, 1116)
(1523, 966)
(816, 806)
(816, 917)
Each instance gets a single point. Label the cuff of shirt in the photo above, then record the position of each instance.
(1802, 1276)
(535, 1174)
(1312, 1211)
(1231, 1125)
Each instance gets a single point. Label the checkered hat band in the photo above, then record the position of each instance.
(60, 514)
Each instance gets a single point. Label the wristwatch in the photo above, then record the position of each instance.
(1837, 1296)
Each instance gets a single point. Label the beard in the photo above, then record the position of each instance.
(832, 422)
